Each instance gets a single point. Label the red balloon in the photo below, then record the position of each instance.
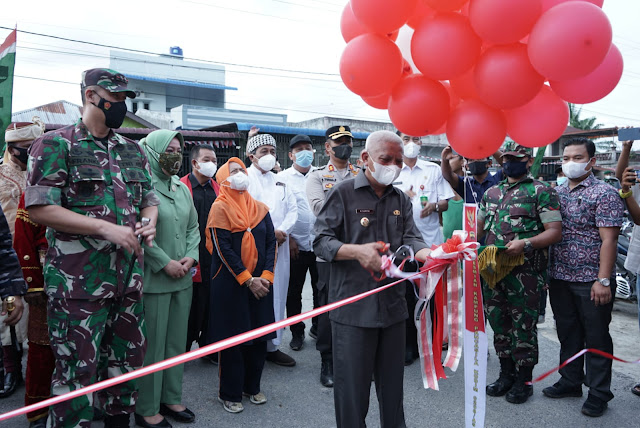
(445, 5)
(454, 100)
(351, 28)
(540, 122)
(445, 46)
(502, 22)
(418, 105)
(595, 85)
(505, 78)
(465, 85)
(570, 40)
(383, 16)
(422, 12)
(371, 65)
(475, 130)
(548, 4)
(378, 101)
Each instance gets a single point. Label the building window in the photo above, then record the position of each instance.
(134, 106)
(146, 106)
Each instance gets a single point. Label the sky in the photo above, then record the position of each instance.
(282, 55)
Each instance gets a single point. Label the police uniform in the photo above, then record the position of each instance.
(95, 319)
(368, 335)
(513, 211)
(319, 184)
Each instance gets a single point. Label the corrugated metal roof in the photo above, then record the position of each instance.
(181, 82)
(293, 131)
(61, 112)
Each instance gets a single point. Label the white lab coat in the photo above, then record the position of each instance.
(283, 209)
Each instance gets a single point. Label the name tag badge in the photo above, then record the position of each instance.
(364, 211)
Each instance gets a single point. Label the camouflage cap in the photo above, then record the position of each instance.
(109, 79)
(514, 149)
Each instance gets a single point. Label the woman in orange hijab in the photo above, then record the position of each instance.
(241, 239)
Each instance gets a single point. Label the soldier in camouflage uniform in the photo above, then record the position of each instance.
(91, 186)
(522, 214)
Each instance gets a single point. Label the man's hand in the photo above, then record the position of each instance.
(175, 269)
(259, 287)
(446, 152)
(16, 314)
(368, 255)
(253, 131)
(515, 248)
(187, 262)
(294, 251)
(410, 193)
(280, 236)
(428, 209)
(122, 236)
(629, 178)
(148, 233)
(422, 255)
(600, 294)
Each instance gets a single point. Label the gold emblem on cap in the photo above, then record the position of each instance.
(341, 129)
(364, 222)
(396, 212)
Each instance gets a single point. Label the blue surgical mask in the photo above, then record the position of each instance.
(561, 180)
(304, 158)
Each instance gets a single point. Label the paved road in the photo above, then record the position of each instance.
(296, 398)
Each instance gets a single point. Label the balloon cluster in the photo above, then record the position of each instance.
(478, 69)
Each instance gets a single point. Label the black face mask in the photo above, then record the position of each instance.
(114, 112)
(23, 154)
(477, 168)
(343, 151)
(514, 169)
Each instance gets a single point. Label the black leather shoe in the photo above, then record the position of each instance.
(144, 424)
(117, 421)
(297, 342)
(280, 358)
(313, 332)
(594, 406)
(519, 393)
(559, 390)
(409, 357)
(39, 423)
(326, 374)
(501, 386)
(11, 382)
(185, 416)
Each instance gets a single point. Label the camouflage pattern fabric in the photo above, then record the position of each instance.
(11, 280)
(107, 78)
(512, 310)
(68, 167)
(93, 340)
(511, 212)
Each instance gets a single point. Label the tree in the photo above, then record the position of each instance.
(576, 122)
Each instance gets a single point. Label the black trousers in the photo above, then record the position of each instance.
(306, 261)
(199, 314)
(582, 324)
(324, 342)
(359, 353)
(410, 326)
(240, 370)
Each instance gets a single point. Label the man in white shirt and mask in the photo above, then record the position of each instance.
(265, 187)
(423, 182)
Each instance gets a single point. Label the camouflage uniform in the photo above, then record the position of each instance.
(95, 319)
(510, 212)
(11, 281)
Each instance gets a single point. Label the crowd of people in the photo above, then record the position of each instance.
(114, 262)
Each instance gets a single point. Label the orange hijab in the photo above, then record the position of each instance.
(236, 211)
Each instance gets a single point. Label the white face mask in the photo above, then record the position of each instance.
(267, 162)
(411, 150)
(238, 181)
(575, 169)
(385, 174)
(208, 169)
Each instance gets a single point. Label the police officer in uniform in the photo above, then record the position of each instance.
(523, 215)
(368, 335)
(338, 146)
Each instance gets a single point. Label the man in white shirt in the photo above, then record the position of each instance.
(423, 182)
(265, 187)
(301, 237)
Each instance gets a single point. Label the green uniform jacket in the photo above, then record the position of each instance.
(177, 232)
